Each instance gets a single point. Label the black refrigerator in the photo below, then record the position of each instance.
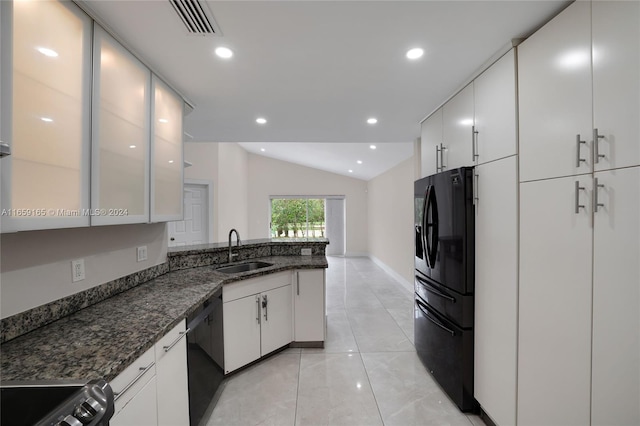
(444, 284)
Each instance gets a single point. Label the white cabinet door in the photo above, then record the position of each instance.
(457, 129)
(616, 82)
(496, 289)
(430, 141)
(309, 306)
(554, 92)
(46, 104)
(120, 151)
(277, 315)
(495, 110)
(139, 411)
(616, 299)
(166, 154)
(172, 378)
(554, 354)
(241, 332)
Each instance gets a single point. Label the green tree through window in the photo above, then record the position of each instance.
(297, 218)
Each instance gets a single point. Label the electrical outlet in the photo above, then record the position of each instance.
(305, 252)
(142, 253)
(77, 270)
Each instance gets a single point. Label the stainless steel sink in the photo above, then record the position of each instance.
(243, 267)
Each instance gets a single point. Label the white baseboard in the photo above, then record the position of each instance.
(399, 278)
(356, 254)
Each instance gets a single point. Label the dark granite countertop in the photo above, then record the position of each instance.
(100, 341)
(200, 248)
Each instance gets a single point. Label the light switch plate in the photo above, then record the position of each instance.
(77, 270)
(305, 252)
(142, 253)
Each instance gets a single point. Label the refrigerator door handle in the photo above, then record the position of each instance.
(435, 291)
(431, 228)
(434, 321)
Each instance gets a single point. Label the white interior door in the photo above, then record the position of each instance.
(334, 217)
(194, 229)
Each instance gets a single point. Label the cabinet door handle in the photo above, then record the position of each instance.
(442, 150)
(437, 155)
(265, 304)
(476, 188)
(474, 141)
(175, 342)
(578, 143)
(258, 309)
(298, 282)
(577, 195)
(143, 370)
(596, 204)
(596, 140)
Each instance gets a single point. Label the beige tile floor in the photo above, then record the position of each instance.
(367, 374)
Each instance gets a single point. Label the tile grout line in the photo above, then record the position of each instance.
(295, 412)
(373, 392)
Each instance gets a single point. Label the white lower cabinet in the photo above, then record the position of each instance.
(555, 301)
(154, 390)
(496, 289)
(135, 392)
(615, 398)
(309, 306)
(172, 378)
(258, 315)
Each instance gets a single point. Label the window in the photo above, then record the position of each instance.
(298, 217)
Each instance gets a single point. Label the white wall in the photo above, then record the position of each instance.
(390, 206)
(274, 177)
(36, 265)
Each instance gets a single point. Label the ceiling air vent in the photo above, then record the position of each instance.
(195, 17)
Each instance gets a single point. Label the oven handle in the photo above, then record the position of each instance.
(433, 320)
(434, 291)
(175, 342)
(143, 370)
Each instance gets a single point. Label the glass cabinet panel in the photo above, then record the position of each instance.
(46, 49)
(166, 154)
(120, 157)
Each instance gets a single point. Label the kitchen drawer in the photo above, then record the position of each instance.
(244, 288)
(133, 379)
(170, 341)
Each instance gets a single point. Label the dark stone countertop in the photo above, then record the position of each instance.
(100, 341)
(203, 248)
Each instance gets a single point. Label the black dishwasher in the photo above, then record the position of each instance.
(205, 357)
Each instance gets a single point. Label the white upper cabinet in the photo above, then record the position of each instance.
(457, 129)
(121, 129)
(431, 144)
(46, 93)
(166, 154)
(616, 83)
(495, 110)
(554, 83)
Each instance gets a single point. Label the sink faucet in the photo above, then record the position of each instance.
(232, 255)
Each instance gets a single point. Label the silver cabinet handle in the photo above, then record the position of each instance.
(475, 188)
(437, 154)
(258, 309)
(596, 139)
(175, 342)
(298, 282)
(474, 141)
(578, 205)
(143, 370)
(596, 204)
(442, 150)
(578, 143)
(265, 304)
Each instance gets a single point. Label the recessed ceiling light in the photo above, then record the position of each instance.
(262, 149)
(47, 52)
(132, 146)
(224, 52)
(372, 120)
(350, 171)
(170, 161)
(359, 161)
(415, 53)
(46, 119)
(261, 120)
(372, 146)
(163, 120)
